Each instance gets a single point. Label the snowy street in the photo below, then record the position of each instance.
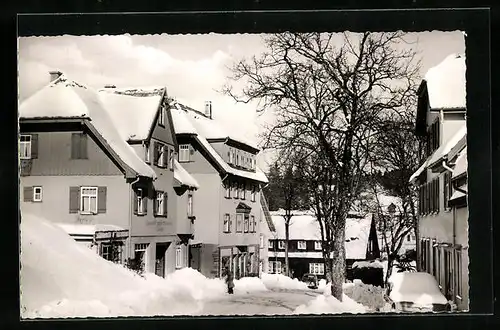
(276, 301)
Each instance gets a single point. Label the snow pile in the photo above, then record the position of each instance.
(279, 281)
(327, 304)
(367, 264)
(248, 285)
(60, 278)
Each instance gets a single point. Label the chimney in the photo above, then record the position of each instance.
(109, 86)
(208, 109)
(54, 74)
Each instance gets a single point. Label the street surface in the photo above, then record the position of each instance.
(282, 302)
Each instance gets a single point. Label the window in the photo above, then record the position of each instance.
(184, 153)
(243, 191)
(146, 153)
(161, 203)
(239, 222)
(253, 224)
(317, 245)
(270, 244)
(317, 268)
(281, 244)
(162, 160)
(88, 202)
(429, 197)
(227, 187)
(261, 241)
(433, 138)
(231, 156)
(301, 245)
(408, 238)
(37, 194)
(227, 223)
(254, 193)
(161, 116)
(235, 190)
(171, 157)
(190, 204)
(79, 146)
(447, 191)
(179, 257)
(106, 251)
(25, 147)
(140, 202)
(458, 273)
(275, 267)
(246, 224)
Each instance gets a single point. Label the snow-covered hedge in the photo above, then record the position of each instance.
(367, 295)
(367, 264)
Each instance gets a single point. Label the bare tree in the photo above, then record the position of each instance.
(329, 93)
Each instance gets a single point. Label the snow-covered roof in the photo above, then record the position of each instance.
(182, 124)
(184, 178)
(416, 287)
(66, 98)
(210, 128)
(305, 227)
(420, 170)
(460, 164)
(446, 84)
(446, 147)
(133, 110)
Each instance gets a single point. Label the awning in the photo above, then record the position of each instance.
(183, 177)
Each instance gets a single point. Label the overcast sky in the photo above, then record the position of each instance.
(193, 67)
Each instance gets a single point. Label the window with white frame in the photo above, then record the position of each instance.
(261, 241)
(270, 244)
(184, 153)
(275, 267)
(141, 204)
(227, 187)
(227, 223)
(254, 193)
(146, 153)
(190, 204)
(239, 222)
(171, 158)
(231, 156)
(161, 155)
(317, 268)
(235, 190)
(301, 245)
(317, 245)
(160, 205)
(246, 224)
(25, 147)
(161, 118)
(243, 190)
(88, 200)
(37, 194)
(179, 260)
(281, 244)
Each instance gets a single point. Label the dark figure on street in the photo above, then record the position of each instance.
(229, 280)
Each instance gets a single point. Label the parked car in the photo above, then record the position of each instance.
(416, 292)
(311, 280)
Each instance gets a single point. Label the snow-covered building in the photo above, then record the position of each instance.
(227, 225)
(304, 245)
(443, 217)
(86, 162)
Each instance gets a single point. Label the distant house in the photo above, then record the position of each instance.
(442, 179)
(86, 164)
(228, 211)
(304, 247)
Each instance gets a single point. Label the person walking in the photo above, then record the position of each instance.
(229, 280)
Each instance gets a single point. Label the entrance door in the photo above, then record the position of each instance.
(161, 249)
(195, 257)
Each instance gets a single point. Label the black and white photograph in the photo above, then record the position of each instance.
(289, 173)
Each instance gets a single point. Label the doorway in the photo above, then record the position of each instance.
(161, 249)
(195, 257)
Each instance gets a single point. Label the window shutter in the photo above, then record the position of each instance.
(438, 199)
(34, 146)
(165, 205)
(101, 199)
(156, 153)
(145, 205)
(74, 199)
(136, 201)
(28, 194)
(83, 146)
(75, 146)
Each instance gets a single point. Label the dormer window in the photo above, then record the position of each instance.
(161, 116)
(184, 153)
(146, 153)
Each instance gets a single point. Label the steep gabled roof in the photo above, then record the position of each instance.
(66, 98)
(133, 110)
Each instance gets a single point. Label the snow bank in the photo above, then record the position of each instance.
(368, 295)
(60, 278)
(367, 264)
(279, 281)
(248, 285)
(324, 304)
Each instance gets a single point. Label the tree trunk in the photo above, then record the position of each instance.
(338, 260)
(287, 237)
(390, 265)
